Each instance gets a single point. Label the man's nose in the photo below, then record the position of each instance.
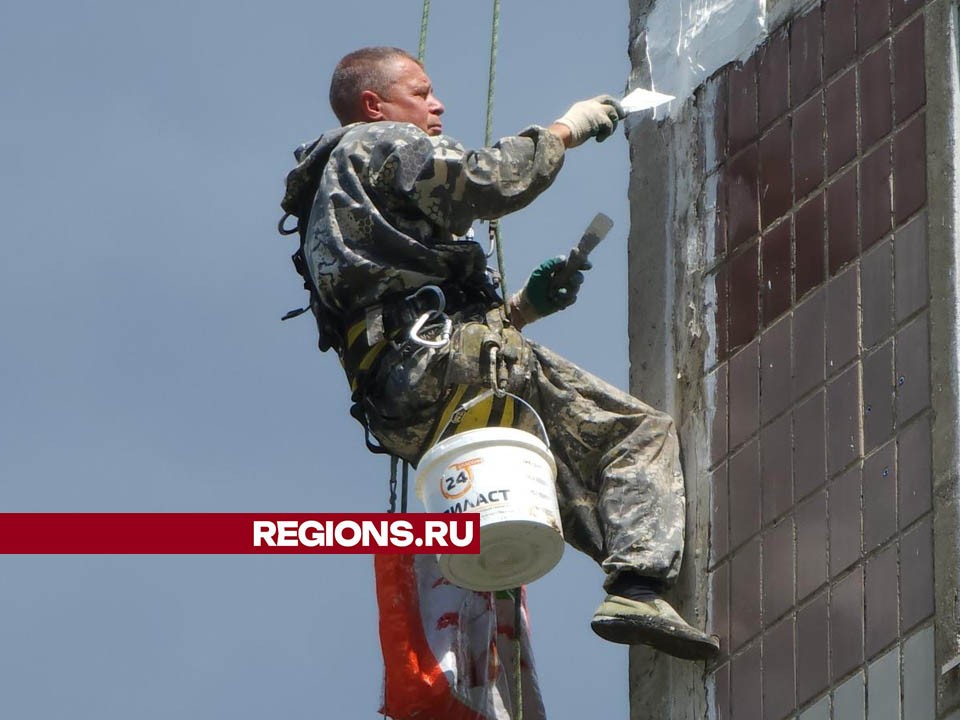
(436, 107)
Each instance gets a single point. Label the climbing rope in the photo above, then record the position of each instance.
(494, 225)
(424, 19)
(494, 230)
(518, 639)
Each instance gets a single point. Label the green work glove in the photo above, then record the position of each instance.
(545, 291)
(592, 118)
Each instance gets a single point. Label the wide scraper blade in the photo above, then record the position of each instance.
(641, 99)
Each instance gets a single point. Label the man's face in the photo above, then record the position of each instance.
(410, 98)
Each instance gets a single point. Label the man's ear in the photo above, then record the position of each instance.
(371, 106)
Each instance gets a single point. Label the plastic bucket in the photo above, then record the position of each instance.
(508, 477)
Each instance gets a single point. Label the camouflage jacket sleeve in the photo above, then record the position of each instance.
(452, 186)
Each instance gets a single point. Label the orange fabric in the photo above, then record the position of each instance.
(415, 688)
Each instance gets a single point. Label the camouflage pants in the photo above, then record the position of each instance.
(619, 481)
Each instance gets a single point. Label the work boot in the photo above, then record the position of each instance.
(655, 623)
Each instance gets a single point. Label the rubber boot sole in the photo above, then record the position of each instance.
(681, 642)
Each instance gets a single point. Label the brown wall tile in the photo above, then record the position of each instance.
(772, 76)
(878, 393)
(745, 685)
(811, 518)
(809, 446)
(776, 290)
(842, 320)
(845, 520)
(840, 34)
(843, 420)
(881, 601)
(913, 369)
(914, 472)
(775, 468)
(779, 690)
(778, 571)
(876, 106)
(744, 394)
(875, 203)
(903, 8)
(720, 218)
(842, 241)
(775, 369)
(808, 146)
(721, 285)
(912, 286)
(776, 194)
(846, 624)
(806, 37)
(809, 319)
(719, 514)
(879, 498)
(744, 595)
(873, 22)
(745, 508)
(840, 99)
(916, 575)
(721, 679)
(743, 209)
(809, 245)
(742, 106)
(718, 425)
(910, 90)
(876, 293)
(812, 659)
(910, 169)
(744, 298)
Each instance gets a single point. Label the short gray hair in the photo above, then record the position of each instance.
(363, 69)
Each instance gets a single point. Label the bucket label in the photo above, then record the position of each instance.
(457, 481)
(479, 501)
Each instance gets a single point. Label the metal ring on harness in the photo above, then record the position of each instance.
(422, 320)
(287, 231)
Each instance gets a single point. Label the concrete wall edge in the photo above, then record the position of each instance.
(943, 222)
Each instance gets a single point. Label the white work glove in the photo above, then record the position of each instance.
(592, 118)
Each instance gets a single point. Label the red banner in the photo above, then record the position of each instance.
(237, 533)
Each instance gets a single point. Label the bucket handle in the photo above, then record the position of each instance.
(458, 413)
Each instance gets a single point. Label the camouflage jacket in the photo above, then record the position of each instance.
(388, 201)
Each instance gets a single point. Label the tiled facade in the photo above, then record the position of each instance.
(821, 539)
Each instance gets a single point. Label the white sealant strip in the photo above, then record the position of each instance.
(689, 40)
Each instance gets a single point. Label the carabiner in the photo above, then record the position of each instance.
(418, 326)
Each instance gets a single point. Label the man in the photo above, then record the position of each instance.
(381, 202)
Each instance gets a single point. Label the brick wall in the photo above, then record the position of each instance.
(821, 542)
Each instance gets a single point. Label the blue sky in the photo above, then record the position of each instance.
(144, 367)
